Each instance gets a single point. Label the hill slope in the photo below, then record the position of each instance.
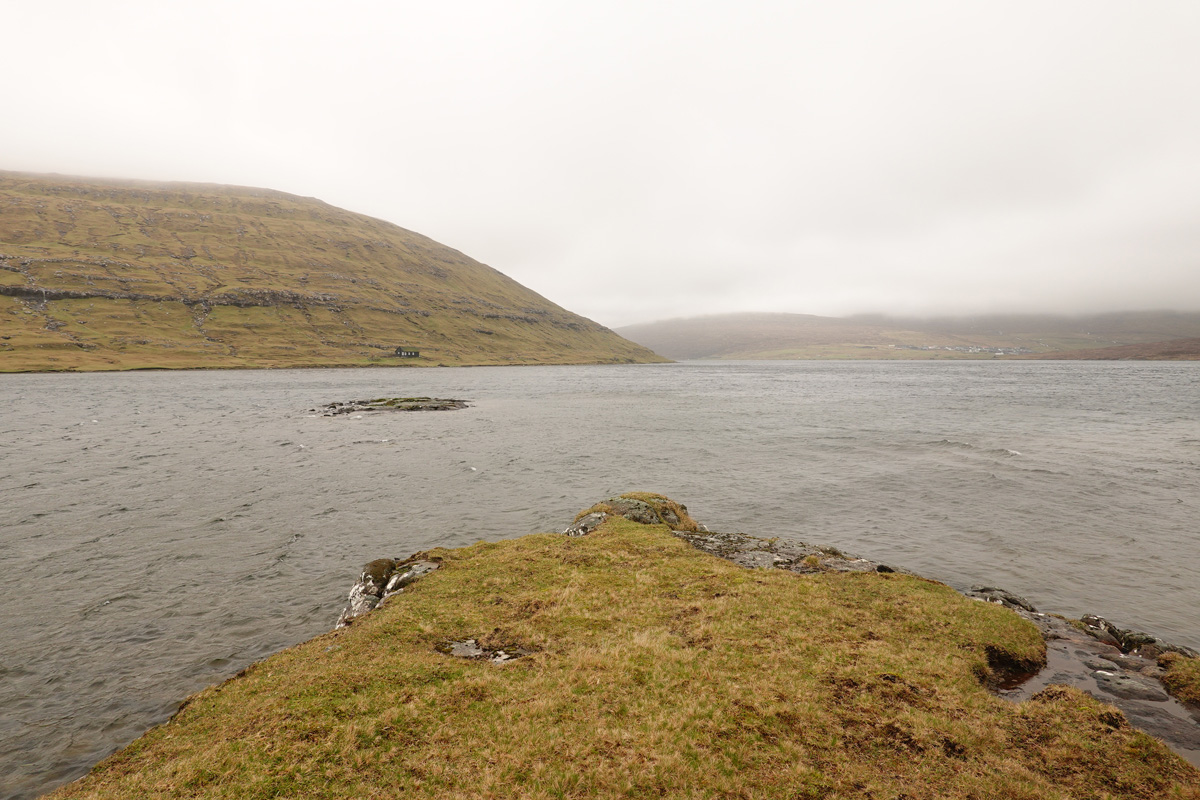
(1173, 350)
(800, 336)
(114, 275)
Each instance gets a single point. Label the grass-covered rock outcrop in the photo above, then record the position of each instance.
(1182, 677)
(648, 669)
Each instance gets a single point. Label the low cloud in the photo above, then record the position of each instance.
(635, 163)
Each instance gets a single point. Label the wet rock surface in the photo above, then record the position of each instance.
(390, 404)
(1127, 640)
(380, 579)
(1007, 599)
(472, 649)
(1129, 681)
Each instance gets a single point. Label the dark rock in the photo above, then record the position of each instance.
(379, 580)
(1132, 640)
(1104, 636)
(392, 404)
(586, 524)
(1129, 687)
(375, 575)
(1150, 650)
(1132, 663)
(993, 594)
(636, 510)
(1180, 731)
(1100, 623)
(406, 574)
(1144, 644)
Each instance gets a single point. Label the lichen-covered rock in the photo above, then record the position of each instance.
(406, 574)
(379, 580)
(993, 594)
(472, 649)
(375, 575)
(645, 508)
(748, 551)
(586, 524)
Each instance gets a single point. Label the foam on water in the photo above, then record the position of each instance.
(159, 531)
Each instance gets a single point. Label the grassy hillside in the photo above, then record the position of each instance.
(118, 275)
(801, 336)
(1173, 350)
(651, 670)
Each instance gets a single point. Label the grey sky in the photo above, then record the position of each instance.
(638, 161)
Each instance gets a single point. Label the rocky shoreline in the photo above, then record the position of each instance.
(1118, 666)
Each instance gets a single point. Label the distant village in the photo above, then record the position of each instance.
(999, 351)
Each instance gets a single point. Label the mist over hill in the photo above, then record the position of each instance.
(102, 274)
(802, 336)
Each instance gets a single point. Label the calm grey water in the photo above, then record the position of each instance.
(159, 531)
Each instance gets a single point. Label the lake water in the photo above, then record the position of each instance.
(159, 531)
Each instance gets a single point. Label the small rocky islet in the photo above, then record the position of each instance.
(337, 409)
(1118, 666)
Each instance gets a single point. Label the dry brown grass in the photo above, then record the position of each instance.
(657, 671)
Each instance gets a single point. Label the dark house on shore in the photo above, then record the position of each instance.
(407, 352)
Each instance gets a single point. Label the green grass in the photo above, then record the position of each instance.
(656, 671)
(188, 275)
(1182, 678)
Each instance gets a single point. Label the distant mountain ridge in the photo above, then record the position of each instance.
(106, 274)
(802, 336)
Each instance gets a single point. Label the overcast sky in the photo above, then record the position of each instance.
(639, 161)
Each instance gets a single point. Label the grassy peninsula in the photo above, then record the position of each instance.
(651, 670)
(101, 275)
